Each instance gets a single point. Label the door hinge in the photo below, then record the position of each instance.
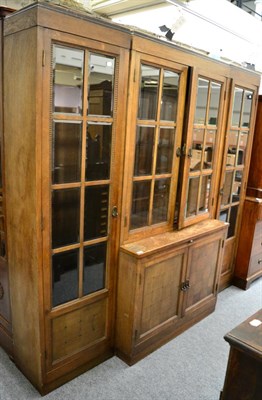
(212, 201)
(46, 355)
(222, 245)
(43, 58)
(136, 334)
(216, 287)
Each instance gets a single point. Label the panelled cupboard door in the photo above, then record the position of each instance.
(155, 118)
(82, 169)
(201, 148)
(237, 149)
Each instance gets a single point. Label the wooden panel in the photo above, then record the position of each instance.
(255, 175)
(23, 197)
(64, 20)
(161, 292)
(202, 276)
(78, 329)
(257, 241)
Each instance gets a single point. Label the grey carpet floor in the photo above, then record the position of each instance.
(190, 367)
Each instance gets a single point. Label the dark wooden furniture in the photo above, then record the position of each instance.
(248, 265)
(244, 371)
(107, 145)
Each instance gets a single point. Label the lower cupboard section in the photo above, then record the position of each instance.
(165, 285)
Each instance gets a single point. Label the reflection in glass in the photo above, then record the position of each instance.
(160, 201)
(224, 215)
(65, 277)
(192, 194)
(65, 216)
(238, 95)
(201, 105)
(227, 188)
(94, 268)
(247, 109)
(140, 204)
(204, 193)
(67, 79)
(66, 150)
(232, 147)
(209, 148)
(96, 211)
(165, 150)
(98, 151)
(149, 86)
(101, 85)
(197, 146)
(214, 103)
(241, 155)
(169, 96)
(237, 186)
(232, 221)
(144, 150)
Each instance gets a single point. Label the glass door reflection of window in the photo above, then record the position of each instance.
(203, 147)
(236, 147)
(154, 172)
(83, 86)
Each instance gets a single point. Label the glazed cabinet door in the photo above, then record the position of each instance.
(82, 192)
(155, 120)
(234, 174)
(201, 148)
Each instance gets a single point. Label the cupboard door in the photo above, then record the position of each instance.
(202, 148)
(156, 104)
(85, 151)
(160, 292)
(202, 272)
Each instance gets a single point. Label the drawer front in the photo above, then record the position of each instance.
(257, 241)
(255, 264)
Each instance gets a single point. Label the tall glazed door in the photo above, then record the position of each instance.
(84, 154)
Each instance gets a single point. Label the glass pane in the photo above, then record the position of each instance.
(67, 79)
(96, 211)
(238, 94)
(94, 268)
(66, 150)
(140, 204)
(232, 221)
(65, 216)
(197, 146)
(161, 199)
(65, 277)
(204, 194)
(209, 148)
(227, 188)
(214, 103)
(241, 156)
(144, 150)
(232, 148)
(169, 96)
(191, 205)
(247, 109)
(101, 85)
(98, 151)
(237, 186)
(165, 151)
(201, 105)
(149, 85)
(224, 216)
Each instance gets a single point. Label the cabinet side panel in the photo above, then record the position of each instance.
(21, 197)
(126, 302)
